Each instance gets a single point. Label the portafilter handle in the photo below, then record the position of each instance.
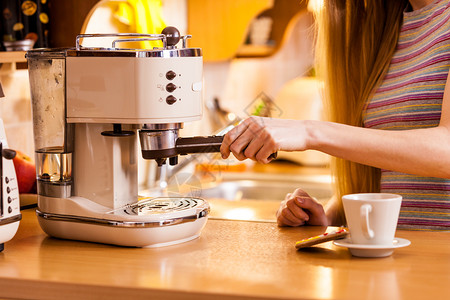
(184, 146)
(203, 144)
(198, 144)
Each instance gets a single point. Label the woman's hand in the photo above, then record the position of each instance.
(300, 209)
(258, 138)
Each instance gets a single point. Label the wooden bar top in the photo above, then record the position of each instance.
(230, 260)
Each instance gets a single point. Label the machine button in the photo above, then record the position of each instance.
(9, 209)
(170, 87)
(9, 199)
(171, 100)
(6, 179)
(197, 86)
(171, 75)
(8, 190)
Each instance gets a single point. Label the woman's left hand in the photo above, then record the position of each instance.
(299, 209)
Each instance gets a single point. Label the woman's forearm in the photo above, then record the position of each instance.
(423, 152)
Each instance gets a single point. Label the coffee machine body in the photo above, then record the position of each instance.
(99, 103)
(130, 91)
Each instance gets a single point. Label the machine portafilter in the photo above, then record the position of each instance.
(161, 142)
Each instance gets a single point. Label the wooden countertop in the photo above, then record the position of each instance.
(231, 260)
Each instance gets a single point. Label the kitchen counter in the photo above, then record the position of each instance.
(231, 260)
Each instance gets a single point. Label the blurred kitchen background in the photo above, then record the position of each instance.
(255, 51)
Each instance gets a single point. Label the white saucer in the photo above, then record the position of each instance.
(361, 250)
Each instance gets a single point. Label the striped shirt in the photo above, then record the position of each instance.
(410, 97)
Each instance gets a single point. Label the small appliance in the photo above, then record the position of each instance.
(10, 215)
(91, 107)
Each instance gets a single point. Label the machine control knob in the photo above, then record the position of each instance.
(8, 153)
(170, 87)
(172, 35)
(171, 75)
(171, 100)
(9, 199)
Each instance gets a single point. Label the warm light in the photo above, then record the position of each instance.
(315, 6)
(231, 117)
(240, 214)
(324, 282)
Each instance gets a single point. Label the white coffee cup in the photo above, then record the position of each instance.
(372, 218)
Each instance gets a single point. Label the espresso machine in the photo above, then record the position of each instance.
(10, 215)
(89, 106)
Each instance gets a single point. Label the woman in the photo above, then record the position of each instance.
(386, 65)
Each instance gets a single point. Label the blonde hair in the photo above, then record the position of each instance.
(355, 43)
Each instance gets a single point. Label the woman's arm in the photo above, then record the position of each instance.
(423, 152)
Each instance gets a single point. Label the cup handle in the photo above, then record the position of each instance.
(365, 210)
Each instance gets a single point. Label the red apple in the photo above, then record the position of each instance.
(25, 172)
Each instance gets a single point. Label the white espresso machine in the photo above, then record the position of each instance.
(89, 106)
(10, 215)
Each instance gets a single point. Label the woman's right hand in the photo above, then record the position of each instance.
(298, 208)
(258, 138)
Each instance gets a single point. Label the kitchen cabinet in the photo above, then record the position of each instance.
(12, 60)
(12, 56)
(66, 20)
(283, 13)
(221, 28)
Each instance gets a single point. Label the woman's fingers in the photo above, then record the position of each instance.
(264, 154)
(286, 220)
(299, 208)
(316, 212)
(290, 214)
(251, 139)
(285, 217)
(259, 138)
(296, 209)
(299, 193)
(229, 138)
(246, 145)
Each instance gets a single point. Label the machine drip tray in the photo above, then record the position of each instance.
(152, 222)
(155, 212)
(163, 205)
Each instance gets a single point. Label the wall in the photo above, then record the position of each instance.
(236, 83)
(249, 77)
(15, 109)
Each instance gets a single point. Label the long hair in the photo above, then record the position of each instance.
(355, 43)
